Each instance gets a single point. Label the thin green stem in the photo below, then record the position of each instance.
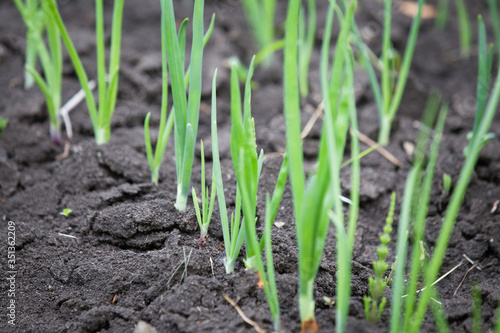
(455, 204)
(395, 99)
(386, 49)
(421, 215)
(292, 106)
(402, 244)
(465, 28)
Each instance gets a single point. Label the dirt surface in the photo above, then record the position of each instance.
(113, 261)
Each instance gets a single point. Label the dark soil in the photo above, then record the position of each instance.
(127, 239)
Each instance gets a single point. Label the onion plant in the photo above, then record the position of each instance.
(187, 110)
(442, 13)
(464, 28)
(415, 310)
(207, 202)
(389, 92)
(233, 236)
(247, 164)
(51, 60)
(315, 199)
(495, 20)
(38, 18)
(415, 206)
(260, 57)
(32, 17)
(464, 24)
(260, 15)
(340, 111)
(475, 145)
(306, 42)
(476, 308)
(166, 123)
(107, 80)
(485, 62)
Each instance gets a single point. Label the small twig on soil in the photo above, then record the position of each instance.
(243, 316)
(463, 279)
(471, 261)
(310, 123)
(441, 278)
(70, 105)
(363, 138)
(382, 151)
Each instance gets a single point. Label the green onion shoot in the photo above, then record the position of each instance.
(107, 79)
(207, 202)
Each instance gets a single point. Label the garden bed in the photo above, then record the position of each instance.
(112, 262)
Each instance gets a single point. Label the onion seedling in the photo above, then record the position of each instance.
(32, 17)
(207, 202)
(456, 199)
(464, 28)
(65, 212)
(260, 15)
(37, 20)
(485, 62)
(260, 57)
(186, 112)
(233, 236)
(388, 93)
(464, 25)
(248, 167)
(166, 123)
(306, 42)
(51, 60)
(340, 110)
(314, 200)
(416, 207)
(243, 139)
(476, 308)
(247, 164)
(442, 13)
(495, 21)
(107, 87)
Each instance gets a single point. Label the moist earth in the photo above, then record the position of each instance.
(126, 255)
